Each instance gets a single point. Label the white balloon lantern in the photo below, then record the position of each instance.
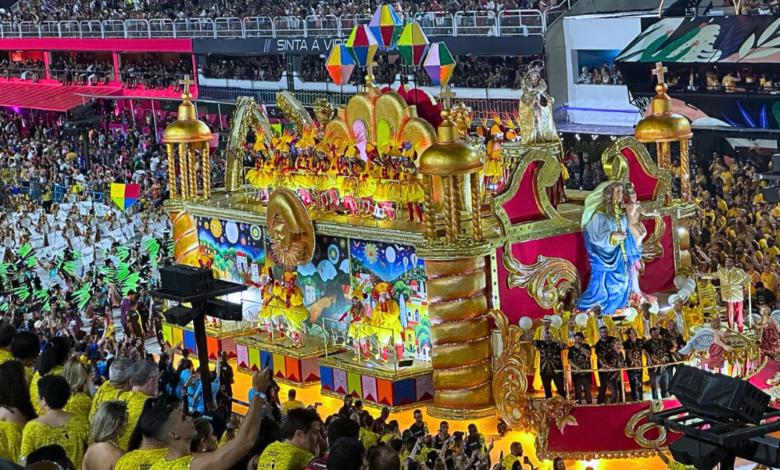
(679, 281)
(631, 314)
(581, 320)
(654, 308)
(557, 321)
(526, 323)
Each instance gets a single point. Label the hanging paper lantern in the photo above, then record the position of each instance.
(439, 64)
(362, 45)
(340, 64)
(386, 26)
(412, 44)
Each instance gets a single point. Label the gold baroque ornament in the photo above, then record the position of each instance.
(323, 111)
(616, 167)
(246, 116)
(509, 380)
(638, 433)
(550, 281)
(293, 110)
(651, 246)
(290, 229)
(545, 176)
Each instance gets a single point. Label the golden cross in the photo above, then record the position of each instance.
(187, 81)
(446, 95)
(659, 71)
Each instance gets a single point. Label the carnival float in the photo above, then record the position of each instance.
(407, 257)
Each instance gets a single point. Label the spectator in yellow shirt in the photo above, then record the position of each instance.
(291, 403)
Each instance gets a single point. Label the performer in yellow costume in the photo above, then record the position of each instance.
(304, 165)
(348, 178)
(270, 303)
(294, 311)
(262, 176)
(369, 180)
(494, 166)
(386, 316)
(359, 327)
(412, 192)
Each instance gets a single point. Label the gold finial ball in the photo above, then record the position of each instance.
(661, 88)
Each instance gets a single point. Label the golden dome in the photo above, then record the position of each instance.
(662, 124)
(186, 131)
(187, 127)
(449, 156)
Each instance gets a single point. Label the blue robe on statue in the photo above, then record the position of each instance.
(612, 279)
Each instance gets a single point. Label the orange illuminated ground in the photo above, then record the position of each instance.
(487, 426)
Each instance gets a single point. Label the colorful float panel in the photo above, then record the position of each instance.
(215, 341)
(378, 387)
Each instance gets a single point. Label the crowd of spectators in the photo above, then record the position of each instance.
(29, 69)
(153, 74)
(82, 10)
(604, 75)
(81, 70)
(263, 68)
(470, 71)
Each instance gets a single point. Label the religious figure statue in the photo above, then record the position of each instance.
(612, 251)
(536, 124)
(535, 110)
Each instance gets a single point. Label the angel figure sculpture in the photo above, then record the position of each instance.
(768, 331)
(714, 341)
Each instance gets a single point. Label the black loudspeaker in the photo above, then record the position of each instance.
(186, 279)
(405, 363)
(771, 194)
(224, 310)
(700, 454)
(718, 396)
(179, 315)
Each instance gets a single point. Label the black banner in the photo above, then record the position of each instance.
(461, 45)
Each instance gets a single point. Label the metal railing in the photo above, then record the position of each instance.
(464, 23)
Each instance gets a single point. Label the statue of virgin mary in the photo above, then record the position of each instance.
(612, 250)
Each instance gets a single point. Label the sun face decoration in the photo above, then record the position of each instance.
(216, 228)
(372, 252)
(290, 229)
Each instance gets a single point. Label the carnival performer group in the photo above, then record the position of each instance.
(340, 173)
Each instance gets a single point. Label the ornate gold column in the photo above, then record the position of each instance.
(662, 127)
(184, 136)
(457, 281)
(685, 181)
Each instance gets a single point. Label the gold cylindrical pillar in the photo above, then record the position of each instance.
(685, 179)
(476, 208)
(171, 171)
(449, 221)
(455, 203)
(460, 335)
(184, 171)
(205, 170)
(193, 174)
(430, 209)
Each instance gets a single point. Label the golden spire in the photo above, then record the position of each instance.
(661, 124)
(187, 128)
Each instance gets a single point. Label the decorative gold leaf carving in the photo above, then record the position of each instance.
(651, 246)
(550, 281)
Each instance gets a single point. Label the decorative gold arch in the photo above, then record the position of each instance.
(247, 115)
(546, 175)
(616, 166)
(293, 109)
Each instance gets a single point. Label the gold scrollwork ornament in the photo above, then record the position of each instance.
(550, 281)
(651, 246)
(638, 433)
(509, 380)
